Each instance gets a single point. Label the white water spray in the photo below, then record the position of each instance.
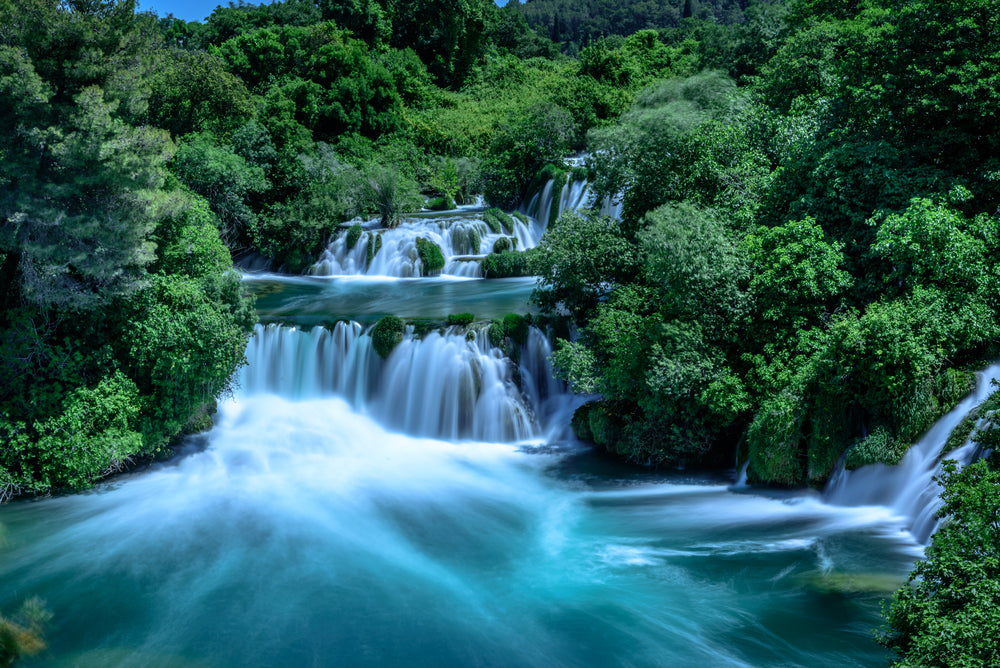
(447, 384)
(909, 488)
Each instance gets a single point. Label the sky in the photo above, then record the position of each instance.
(195, 10)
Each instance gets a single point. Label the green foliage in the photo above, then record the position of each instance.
(431, 259)
(390, 193)
(440, 204)
(496, 333)
(878, 447)
(226, 180)
(507, 264)
(697, 266)
(353, 234)
(581, 422)
(387, 334)
(944, 613)
(541, 134)
(516, 327)
(460, 319)
(774, 438)
(579, 262)
(191, 91)
(666, 148)
(329, 82)
(96, 434)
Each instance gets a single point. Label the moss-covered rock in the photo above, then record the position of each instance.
(520, 216)
(431, 257)
(605, 428)
(503, 244)
(460, 319)
(353, 234)
(387, 334)
(498, 221)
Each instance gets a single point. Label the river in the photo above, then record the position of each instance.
(433, 509)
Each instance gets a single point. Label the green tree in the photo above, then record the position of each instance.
(579, 262)
(945, 613)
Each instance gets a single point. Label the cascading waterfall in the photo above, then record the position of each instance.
(450, 385)
(909, 488)
(463, 240)
(545, 205)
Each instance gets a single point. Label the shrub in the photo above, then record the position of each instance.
(879, 447)
(431, 257)
(496, 333)
(581, 422)
(441, 204)
(505, 265)
(944, 614)
(461, 319)
(774, 440)
(516, 327)
(520, 216)
(390, 193)
(353, 235)
(387, 334)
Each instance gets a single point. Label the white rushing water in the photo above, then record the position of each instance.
(463, 239)
(446, 384)
(909, 488)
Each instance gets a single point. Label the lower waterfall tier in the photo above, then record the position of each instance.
(451, 384)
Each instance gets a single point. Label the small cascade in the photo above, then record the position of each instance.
(909, 487)
(450, 385)
(546, 206)
(463, 239)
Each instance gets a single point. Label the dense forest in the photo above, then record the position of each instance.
(805, 266)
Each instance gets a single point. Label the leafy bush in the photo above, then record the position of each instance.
(505, 265)
(947, 611)
(879, 447)
(516, 327)
(390, 193)
(460, 319)
(441, 204)
(431, 257)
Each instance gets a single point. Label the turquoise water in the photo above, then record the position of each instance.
(304, 532)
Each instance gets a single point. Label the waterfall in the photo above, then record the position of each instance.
(449, 384)
(464, 239)
(545, 205)
(909, 487)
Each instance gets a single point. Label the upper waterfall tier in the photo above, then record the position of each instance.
(909, 488)
(446, 385)
(463, 236)
(463, 239)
